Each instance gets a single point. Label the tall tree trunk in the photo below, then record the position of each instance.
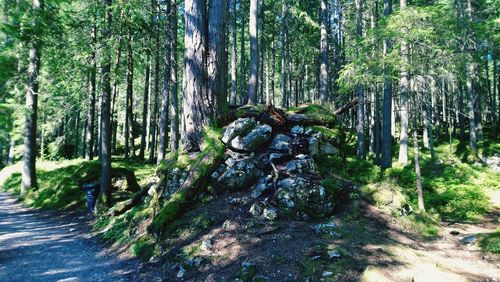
(105, 114)
(114, 118)
(11, 151)
(145, 106)
(154, 116)
(403, 137)
(386, 160)
(216, 54)
(174, 102)
(420, 194)
(470, 108)
(165, 91)
(254, 53)
(323, 73)
(197, 106)
(284, 11)
(89, 152)
(29, 149)
(242, 54)
(129, 114)
(234, 72)
(359, 88)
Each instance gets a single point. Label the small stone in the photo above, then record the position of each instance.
(469, 239)
(181, 272)
(313, 146)
(326, 148)
(454, 232)
(258, 190)
(269, 214)
(206, 245)
(297, 130)
(327, 273)
(333, 254)
(226, 224)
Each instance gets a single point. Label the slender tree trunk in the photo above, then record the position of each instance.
(174, 103)
(361, 152)
(284, 14)
(197, 106)
(11, 151)
(386, 160)
(403, 137)
(254, 53)
(242, 54)
(470, 109)
(273, 70)
(145, 106)
(154, 116)
(234, 71)
(29, 152)
(89, 152)
(105, 114)
(323, 73)
(114, 118)
(420, 194)
(165, 91)
(129, 114)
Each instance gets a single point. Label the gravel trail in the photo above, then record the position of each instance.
(45, 246)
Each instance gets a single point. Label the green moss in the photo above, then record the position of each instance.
(250, 111)
(144, 247)
(315, 111)
(490, 242)
(200, 166)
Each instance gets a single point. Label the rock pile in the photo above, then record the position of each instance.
(278, 166)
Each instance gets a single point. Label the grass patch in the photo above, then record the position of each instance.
(491, 242)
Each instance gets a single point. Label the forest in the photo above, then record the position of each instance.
(287, 140)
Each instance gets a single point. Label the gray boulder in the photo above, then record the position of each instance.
(299, 197)
(241, 175)
(253, 140)
(300, 166)
(326, 148)
(313, 146)
(238, 127)
(281, 142)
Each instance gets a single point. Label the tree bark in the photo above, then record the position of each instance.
(105, 114)
(30, 126)
(197, 107)
(216, 54)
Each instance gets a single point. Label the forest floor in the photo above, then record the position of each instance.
(370, 246)
(40, 245)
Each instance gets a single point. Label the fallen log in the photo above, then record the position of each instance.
(345, 108)
(124, 206)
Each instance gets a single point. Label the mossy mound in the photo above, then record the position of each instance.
(200, 166)
(311, 114)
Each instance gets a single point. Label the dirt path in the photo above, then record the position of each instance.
(43, 246)
(449, 258)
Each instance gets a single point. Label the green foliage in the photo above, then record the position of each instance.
(58, 183)
(491, 242)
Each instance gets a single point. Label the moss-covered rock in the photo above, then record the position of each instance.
(200, 166)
